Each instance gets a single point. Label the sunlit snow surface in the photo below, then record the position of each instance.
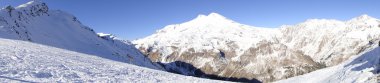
(22, 61)
(35, 22)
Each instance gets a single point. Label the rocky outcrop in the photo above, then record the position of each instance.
(255, 63)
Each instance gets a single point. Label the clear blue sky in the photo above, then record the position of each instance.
(131, 19)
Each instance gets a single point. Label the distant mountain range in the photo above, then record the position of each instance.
(215, 45)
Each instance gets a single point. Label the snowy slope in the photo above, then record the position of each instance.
(219, 46)
(361, 69)
(23, 61)
(35, 22)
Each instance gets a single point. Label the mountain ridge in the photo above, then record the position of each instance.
(35, 22)
(219, 47)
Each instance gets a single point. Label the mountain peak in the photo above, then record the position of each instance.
(363, 17)
(32, 3)
(36, 7)
(215, 15)
(211, 16)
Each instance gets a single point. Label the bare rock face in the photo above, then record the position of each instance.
(218, 48)
(253, 65)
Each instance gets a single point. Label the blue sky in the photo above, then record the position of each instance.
(132, 19)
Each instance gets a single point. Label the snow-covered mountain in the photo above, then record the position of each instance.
(214, 45)
(35, 22)
(28, 62)
(42, 45)
(361, 69)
